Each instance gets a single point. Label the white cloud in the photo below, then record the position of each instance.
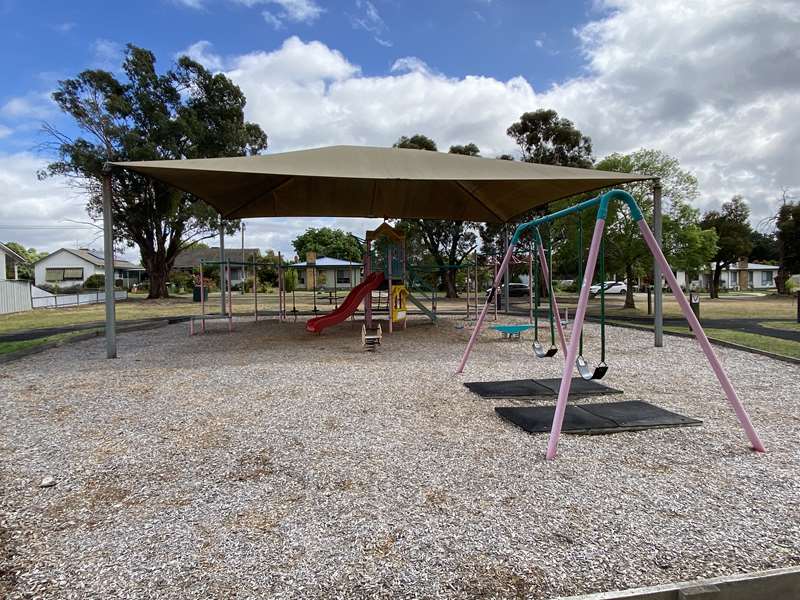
(31, 106)
(195, 4)
(271, 19)
(306, 94)
(35, 212)
(107, 54)
(5, 131)
(714, 83)
(370, 20)
(65, 27)
(295, 11)
(201, 52)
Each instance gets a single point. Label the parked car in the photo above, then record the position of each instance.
(611, 287)
(514, 289)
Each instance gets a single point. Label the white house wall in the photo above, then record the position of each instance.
(60, 260)
(2, 265)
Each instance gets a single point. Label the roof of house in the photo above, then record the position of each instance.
(324, 261)
(6, 250)
(95, 257)
(191, 257)
(750, 267)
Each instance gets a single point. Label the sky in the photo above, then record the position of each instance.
(715, 83)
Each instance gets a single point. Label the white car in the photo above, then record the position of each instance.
(611, 287)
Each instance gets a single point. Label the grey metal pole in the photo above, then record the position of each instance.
(506, 274)
(658, 297)
(108, 258)
(221, 266)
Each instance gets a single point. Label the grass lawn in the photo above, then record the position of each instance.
(786, 325)
(750, 340)
(6, 347)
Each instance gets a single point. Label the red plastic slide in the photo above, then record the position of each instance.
(348, 307)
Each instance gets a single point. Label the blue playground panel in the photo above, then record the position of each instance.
(511, 331)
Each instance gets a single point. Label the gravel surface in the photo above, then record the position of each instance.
(271, 463)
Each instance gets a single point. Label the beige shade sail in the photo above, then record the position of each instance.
(359, 181)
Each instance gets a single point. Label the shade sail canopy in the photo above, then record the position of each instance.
(358, 181)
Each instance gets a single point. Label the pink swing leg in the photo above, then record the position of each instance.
(546, 275)
(702, 339)
(475, 332)
(572, 349)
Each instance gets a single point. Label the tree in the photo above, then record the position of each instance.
(31, 255)
(416, 142)
(788, 224)
(626, 251)
(467, 150)
(765, 247)
(733, 236)
(544, 137)
(447, 242)
(185, 112)
(687, 246)
(333, 243)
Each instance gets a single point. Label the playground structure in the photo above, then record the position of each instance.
(226, 292)
(601, 203)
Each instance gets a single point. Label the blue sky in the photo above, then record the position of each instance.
(713, 82)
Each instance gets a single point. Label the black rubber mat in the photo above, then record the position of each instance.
(605, 417)
(532, 388)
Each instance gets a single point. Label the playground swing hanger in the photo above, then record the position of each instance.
(581, 364)
(538, 349)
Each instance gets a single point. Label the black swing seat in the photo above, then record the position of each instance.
(589, 373)
(540, 351)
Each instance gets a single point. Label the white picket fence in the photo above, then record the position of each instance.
(79, 299)
(15, 296)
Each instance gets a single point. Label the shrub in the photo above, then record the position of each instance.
(791, 285)
(181, 280)
(95, 282)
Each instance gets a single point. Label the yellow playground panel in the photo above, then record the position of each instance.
(399, 298)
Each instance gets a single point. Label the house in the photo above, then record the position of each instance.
(9, 262)
(188, 260)
(326, 273)
(68, 268)
(743, 275)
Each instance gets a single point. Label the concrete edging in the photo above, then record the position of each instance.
(774, 584)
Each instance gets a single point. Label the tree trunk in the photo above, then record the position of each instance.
(450, 282)
(630, 278)
(715, 280)
(158, 272)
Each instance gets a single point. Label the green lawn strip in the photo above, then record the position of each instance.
(759, 342)
(7, 347)
(748, 340)
(785, 325)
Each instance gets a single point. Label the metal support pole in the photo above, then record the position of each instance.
(108, 258)
(507, 273)
(221, 266)
(658, 296)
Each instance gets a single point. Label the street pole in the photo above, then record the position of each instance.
(658, 296)
(108, 259)
(221, 266)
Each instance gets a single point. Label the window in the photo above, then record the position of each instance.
(301, 276)
(766, 277)
(342, 276)
(65, 274)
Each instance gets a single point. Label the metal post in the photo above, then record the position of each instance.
(658, 297)
(221, 266)
(507, 273)
(108, 258)
(530, 286)
(798, 306)
(243, 260)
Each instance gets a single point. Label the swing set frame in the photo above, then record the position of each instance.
(601, 203)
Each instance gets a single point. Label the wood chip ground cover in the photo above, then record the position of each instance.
(273, 463)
